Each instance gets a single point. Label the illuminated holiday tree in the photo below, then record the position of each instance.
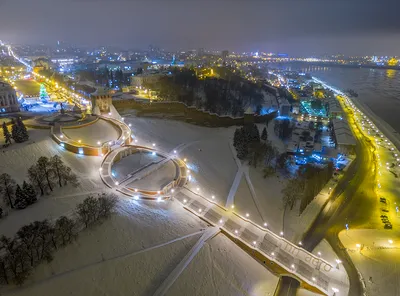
(43, 94)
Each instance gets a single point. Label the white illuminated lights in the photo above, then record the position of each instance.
(247, 215)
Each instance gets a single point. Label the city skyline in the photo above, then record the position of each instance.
(297, 28)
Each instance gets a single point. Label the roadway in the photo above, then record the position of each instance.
(352, 202)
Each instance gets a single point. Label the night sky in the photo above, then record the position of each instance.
(297, 27)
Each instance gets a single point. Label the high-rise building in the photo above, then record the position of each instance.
(224, 54)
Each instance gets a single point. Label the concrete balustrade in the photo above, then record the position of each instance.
(84, 149)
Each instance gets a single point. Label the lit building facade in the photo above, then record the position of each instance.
(8, 98)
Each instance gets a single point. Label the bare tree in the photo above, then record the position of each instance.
(88, 210)
(28, 236)
(15, 259)
(44, 229)
(107, 203)
(44, 166)
(3, 271)
(65, 229)
(62, 172)
(7, 188)
(36, 177)
(291, 193)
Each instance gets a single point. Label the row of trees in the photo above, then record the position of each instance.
(18, 133)
(43, 176)
(36, 242)
(308, 182)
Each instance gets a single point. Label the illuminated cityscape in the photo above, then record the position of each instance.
(173, 148)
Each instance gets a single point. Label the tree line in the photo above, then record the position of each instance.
(227, 95)
(19, 133)
(36, 242)
(303, 187)
(43, 177)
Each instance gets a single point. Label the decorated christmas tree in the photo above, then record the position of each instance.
(43, 94)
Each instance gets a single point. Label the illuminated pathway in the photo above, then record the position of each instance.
(313, 272)
(266, 246)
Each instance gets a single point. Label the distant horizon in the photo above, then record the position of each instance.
(126, 48)
(299, 28)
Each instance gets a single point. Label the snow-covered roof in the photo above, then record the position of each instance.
(343, 133)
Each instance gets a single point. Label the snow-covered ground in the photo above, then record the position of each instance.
(376, 258)
(157, 179)
(100, 131)
(129, 254)
(134, 252)
(132, 163)
(222, 268)
(207, 150)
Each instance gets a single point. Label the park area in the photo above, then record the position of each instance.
(143, 243)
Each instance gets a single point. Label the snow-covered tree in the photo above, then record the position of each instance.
(64, 228)
(37, 178)
(107, 203)
(236, 136)
(7, 134)
(18, 131)
(242, 150)
(45, 168)
(31, 195)
(264, 134)
(7, 188)
(88, 210)
(62, 172)
(20, 198)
